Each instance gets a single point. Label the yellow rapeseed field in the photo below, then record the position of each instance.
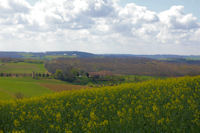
(157, 106)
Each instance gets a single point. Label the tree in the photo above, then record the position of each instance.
(47, 75)
(87, 74)
(74, 72)
(43, 75)
(40, 75)
(1, 74)
(59, 74)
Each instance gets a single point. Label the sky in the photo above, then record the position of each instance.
(101, 26)
(190, 6)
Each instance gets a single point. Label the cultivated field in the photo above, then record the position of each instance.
(12, 88)
(22, 67)
(160, 106)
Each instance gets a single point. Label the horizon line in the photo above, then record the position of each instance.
(101, 53)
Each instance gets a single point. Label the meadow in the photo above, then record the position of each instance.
(161, 106)
(51, 57)
(44, 57)
(22, 67)
(24, 87)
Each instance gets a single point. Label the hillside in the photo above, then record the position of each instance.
(45, 55)
(22, 67)
(74, 54)
(26, 87)
(126, 66)
(170, 105)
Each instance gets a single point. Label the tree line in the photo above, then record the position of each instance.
(125, 66)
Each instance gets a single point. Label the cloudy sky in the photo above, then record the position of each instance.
(101, 26)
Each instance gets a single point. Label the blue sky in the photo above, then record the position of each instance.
(101, 26)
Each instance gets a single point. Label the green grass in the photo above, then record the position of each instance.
(193, 58)
(5, 95)
(51, 57)
(27, 55)
(47, 57)
(28, 87)
(22, 67)
(138, 78)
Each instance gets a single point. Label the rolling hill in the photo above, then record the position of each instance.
(68, 54)
(170, 105)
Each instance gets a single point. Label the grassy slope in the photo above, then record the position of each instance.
(47, 57)
(26, 86)
(5, 95)
(22, 67)
(29, 87)
(51, 57)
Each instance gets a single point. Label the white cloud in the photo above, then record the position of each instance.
(96, 26)
(177, 19)
(176, 26)
(13, 6)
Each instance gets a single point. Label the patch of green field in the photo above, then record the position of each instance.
(47, 57)
(5, 95)
(27, 55)
(27, 87)
(138, 78)
(193, 58)
(22, 67)
(51, 57)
